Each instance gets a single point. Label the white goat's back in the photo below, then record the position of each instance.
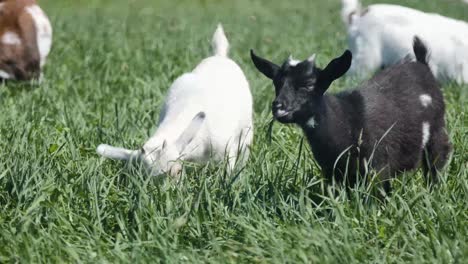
(383, 35)
(218, 87)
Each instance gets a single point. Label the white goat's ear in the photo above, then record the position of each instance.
(164, 145)
(190, 132)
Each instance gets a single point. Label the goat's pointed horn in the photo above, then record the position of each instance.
(312, 58)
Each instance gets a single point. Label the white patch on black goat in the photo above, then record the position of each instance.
(311, 122)
(425, 99)
(426, 133)
(292, 61)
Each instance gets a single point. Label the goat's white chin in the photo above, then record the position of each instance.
(281, 113)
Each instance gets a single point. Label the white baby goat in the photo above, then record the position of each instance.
(207, 114)
(381, 35)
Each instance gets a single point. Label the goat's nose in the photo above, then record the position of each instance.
(277, 105)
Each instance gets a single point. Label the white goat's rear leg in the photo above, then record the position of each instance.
(239, 153)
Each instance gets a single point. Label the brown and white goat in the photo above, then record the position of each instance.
(25, 39)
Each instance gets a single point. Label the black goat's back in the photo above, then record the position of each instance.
(383, 121)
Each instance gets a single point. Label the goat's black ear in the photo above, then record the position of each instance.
(335, 69)
(268, 68)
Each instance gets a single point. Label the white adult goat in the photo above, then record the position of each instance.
(381, 35)
(207, 115)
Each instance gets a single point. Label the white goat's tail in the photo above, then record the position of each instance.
(350, 9)
(116, 153)
(220, 43)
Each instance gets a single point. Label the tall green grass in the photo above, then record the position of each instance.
(111, 64)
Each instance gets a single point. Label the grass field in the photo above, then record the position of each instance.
(109, 69)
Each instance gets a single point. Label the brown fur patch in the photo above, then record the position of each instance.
(23, 60)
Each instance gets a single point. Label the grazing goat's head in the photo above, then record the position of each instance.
(298, 84)
(164, 157)
(158, 155)
(25, 39)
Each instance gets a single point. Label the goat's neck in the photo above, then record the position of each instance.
(326, 120)
(168, 131)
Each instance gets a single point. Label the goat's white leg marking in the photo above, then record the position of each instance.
(425, 99)
(425, 133)
(311, 122)
(11, 38)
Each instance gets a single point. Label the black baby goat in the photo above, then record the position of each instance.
(392, 123)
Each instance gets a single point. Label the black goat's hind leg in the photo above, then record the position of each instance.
(435, 155)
